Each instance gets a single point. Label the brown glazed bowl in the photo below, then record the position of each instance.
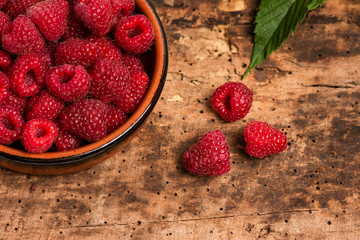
(53, 163)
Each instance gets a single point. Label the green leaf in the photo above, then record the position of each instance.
(275, 20)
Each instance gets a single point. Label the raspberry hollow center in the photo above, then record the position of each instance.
(8, 123)
(29, 78)
(227, 102)
(40, 132)
(135, 31)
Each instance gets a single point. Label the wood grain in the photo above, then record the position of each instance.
(309, 88)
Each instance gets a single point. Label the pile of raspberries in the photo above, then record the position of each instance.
(70, 72)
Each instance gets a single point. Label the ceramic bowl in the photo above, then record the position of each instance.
(52, 163)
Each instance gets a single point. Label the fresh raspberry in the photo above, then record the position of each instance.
(4, 20)
(232, 101)
(263, 140)
(66, 141)
(76, 52)
(134, 34)
(85, 119)
(68, 82)
(209, 156)
(97, 15)
(38, 135)
(134, 93)
(11, 124)
(109, 79)
(5, 60)
(75, 28)
(51, 17)
(21, 36)
(114, 118)
(107, 49)
(15, 101)
(16, 7)
(27, 75)
(3, 3)
(132, 63)
(44, 105)
(4, 87)
(47, 58)
(121, 10)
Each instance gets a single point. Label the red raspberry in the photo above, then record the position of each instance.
(51, 17)
(85, 119)
(134, 93)
(16, 7)
(75, 28)
(68, 82)
(11, 125)
(134, 34)
(3, 3)
(232, 101)
(27, 75)
(5, 60)
(21, 36)
(263, 140)
(4, 20)
(38, 135)
(209, 156)
(97, 15)
(121, 10)
(44, 105)
(15, 101)
(114, 118)
(4, 87)
(109, 79)
(76, 52)
(132, 63)
(66, 141)
(107, 49)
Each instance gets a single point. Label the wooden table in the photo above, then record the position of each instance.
(309, 88)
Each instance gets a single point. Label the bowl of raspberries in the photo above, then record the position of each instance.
(77, 77)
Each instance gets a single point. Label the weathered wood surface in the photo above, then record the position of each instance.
(309, 88)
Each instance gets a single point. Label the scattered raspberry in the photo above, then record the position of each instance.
(97, 15)
(4, 87)
(68, 82)
(132, 63)
(44, 105)
(16, 7)
(232, 101)
(4, 20)
(109, 79)
(75, 28)
(134, 93)
(107, 49)
(209, 156)
(76, 52)
(5, 60)
(263, 140)
(15, 101)
(3, 3)
(114, 118)
(135, 34)
(21, 36)
(51, 17)
(66, 141)
(85, 119)
(11, 124)
(27, 75)
(38, 135)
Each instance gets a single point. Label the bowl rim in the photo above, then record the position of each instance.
(133, 123)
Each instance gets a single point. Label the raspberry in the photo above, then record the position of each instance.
(3, 3)
(21, 36)
(68, 82)
(51, 17)
(134, 34)
(27, 75)
(4, 20)
(232, 101)
(107, 49)
(209, 156)
(97, 15)
(121, 10)
(44, 105)
(4, 87)
(134, 93)
(132, 63)
(66, 141)
(75, 28)
(263, 140)
(11, 125)
(109, 79)
(16, 7)
(85, 119)
(114, 118)
(76, 51)
(38, 135)
(15, 101)
(5, 60)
